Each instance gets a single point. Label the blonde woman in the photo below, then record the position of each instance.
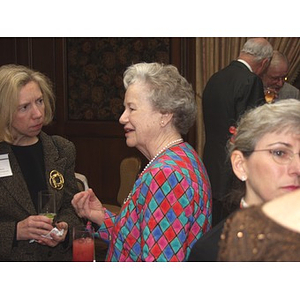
(32, 161)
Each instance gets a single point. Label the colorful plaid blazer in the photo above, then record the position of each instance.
(169, 209)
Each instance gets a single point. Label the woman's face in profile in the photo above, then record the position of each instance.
(141, 122)
(29, 116)
(275, 171)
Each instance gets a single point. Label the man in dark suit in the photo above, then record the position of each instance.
(227, 95)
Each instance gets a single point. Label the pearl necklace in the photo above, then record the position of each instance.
(160, 152)
(153, 159)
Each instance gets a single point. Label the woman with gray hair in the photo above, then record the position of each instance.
(264, 153)
(169, 207)
(277, 121)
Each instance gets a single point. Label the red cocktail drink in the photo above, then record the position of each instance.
(83, 249)
(83, 243)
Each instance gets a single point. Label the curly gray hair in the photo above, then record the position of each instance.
(169, 92)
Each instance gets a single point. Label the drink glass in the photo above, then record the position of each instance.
(83, 244)
(269, 95)
(46, 204)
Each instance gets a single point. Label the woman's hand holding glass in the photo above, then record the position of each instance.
(88, 206)
(36, 226)
(33, 227)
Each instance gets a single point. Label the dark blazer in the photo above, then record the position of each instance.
(16, 203)
(226, 96)
(207, 247)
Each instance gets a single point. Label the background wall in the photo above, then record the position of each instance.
(87, 76)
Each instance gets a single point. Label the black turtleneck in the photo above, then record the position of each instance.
(31, 161)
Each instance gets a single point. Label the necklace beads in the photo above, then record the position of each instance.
(154, 158)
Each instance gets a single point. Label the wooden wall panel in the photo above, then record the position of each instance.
(100, 145)
(99, 159)
(42, 56)
(7, 51)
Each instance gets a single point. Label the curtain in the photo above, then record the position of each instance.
(215, 53)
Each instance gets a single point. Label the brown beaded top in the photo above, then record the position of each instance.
(249, 235)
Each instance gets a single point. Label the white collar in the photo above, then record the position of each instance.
(245, 63)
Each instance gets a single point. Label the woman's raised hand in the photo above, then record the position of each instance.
(88, 206)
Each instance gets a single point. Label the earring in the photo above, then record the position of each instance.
(162, 123)
(244, 178)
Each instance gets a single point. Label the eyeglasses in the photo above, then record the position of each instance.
(279, 78)
(281, 156)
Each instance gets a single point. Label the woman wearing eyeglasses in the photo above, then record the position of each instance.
(264, 153)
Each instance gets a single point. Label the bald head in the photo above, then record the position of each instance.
(260, 48)
(257, 52)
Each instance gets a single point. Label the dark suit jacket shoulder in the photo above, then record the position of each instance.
(232, 90)
(207, 247)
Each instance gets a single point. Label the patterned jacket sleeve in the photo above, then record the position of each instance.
(104, 231)
(171, 218)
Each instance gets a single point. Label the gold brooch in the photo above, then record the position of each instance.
(56, 180)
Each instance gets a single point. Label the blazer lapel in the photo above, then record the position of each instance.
(53, 162)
